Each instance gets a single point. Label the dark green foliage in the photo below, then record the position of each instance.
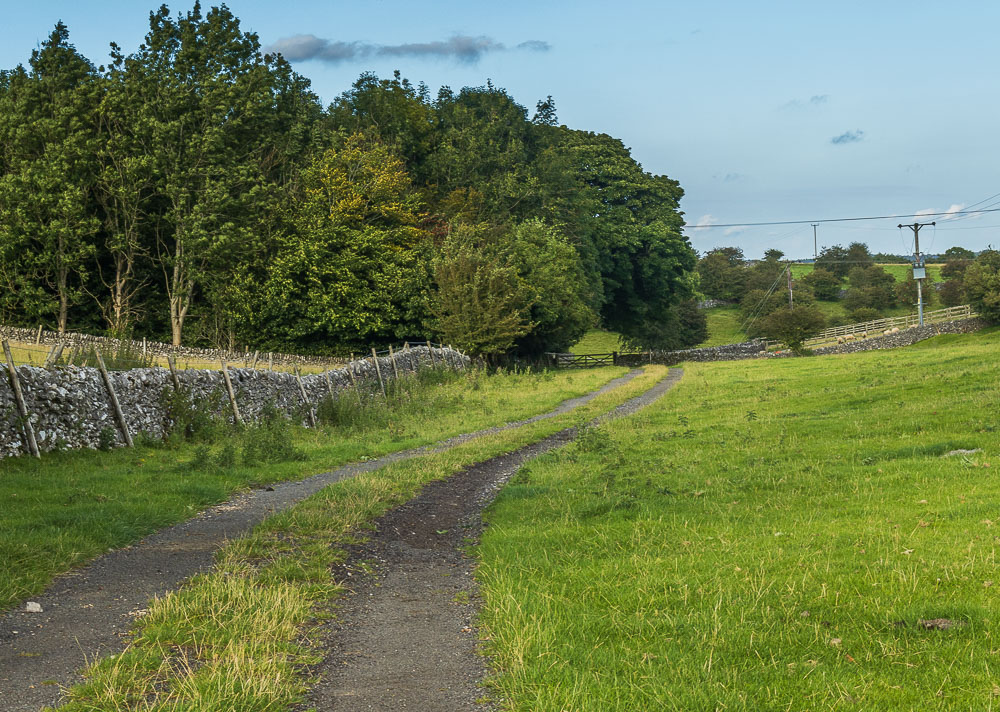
(721, 274)
(792, 325)
(952, 293)
(906, 292)
(956, 253)
(982, 283)
(839, 260)
(864, 314)
(106, 438)
(824, 284)
(212, 196)
(190, 419)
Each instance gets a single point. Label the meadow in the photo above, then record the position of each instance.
(801, 534)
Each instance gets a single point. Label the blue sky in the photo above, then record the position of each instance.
(763, 111)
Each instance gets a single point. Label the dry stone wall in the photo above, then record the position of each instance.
(69, 406)
(756, 349)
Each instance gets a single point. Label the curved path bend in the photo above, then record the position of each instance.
(87, 613)
(405, 638)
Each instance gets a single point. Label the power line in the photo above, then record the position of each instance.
(834, 220)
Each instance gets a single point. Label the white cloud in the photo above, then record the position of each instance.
(926, 211)
(704, 221)
(733, 230)
(955, 208)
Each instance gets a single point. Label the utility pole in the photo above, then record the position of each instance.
(918, 266)
(815, 252)
(788, 267)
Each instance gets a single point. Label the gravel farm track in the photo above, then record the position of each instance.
(403, 638)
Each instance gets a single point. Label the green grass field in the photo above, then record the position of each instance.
(91, 501)
(773, 535)
(597, 341)
(900, 272)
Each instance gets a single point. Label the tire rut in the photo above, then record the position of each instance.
(404, 637)
(88, 612)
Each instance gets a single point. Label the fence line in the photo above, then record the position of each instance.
(877, 326)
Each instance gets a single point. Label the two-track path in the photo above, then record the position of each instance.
(86, 614)
(405, 638)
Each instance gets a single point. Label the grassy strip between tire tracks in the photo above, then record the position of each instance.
(69, 507)
(237, 638)
(773, 535)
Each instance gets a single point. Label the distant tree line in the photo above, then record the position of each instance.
(197, 190)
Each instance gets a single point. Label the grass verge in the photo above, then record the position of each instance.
(237, 638)
(68, 507)
(774, 535)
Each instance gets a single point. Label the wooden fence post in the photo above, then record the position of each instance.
(173, 372)
(305, 398)
(392, 359)
(38, 336)
(54, 355)
(354, 381)
(378, 372)
(329, 383)
(22, 407)
(232, 394)
(430, 349)
(270, 360)
(115, 406)
(256, 354)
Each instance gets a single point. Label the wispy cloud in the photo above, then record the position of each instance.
(736, 229)
(463, 48)
(704, 221)
(848, 137)
(816, 100)
(950, 214)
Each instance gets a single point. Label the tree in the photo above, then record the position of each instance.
(201, 96)
(550, 269)
(955, 269)
(858, 255)
(982, 283)
(481, 304)
(834, 260)
(958, 253)
(48, 131)
(353, 268)
(906, 292)
(825, 285)
(722, 274)
(952, 293)
(793, 325)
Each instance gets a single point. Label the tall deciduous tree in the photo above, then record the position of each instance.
(201, 92)
(48, 133)
(352, 268)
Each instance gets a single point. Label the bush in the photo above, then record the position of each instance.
(952, 293)
(824, 284)
(864, 314)
(982, 283)
(793, 325)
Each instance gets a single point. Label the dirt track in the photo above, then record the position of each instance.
(87, 613)
(405, 636)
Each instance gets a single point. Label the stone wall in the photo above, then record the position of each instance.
(905, 337)
(69, 406)
(727, 352)
(156, 348)
(756, 349)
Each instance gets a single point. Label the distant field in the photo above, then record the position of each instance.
(597, 341)
(900, 272)
(771, 535)
(723, 326)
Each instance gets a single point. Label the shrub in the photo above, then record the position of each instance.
(793, 325)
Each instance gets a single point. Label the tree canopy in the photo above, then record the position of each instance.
(196, 189)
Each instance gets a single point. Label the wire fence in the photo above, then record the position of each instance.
(121, 356)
